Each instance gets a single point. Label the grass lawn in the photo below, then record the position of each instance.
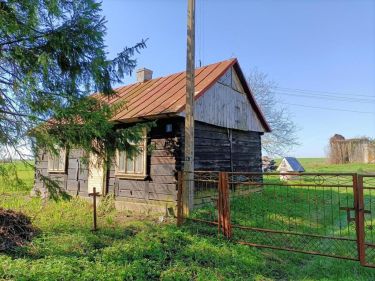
(16, 178)
(131, 247)
(322, 165)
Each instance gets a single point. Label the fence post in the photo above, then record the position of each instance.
(179, 198)
(187, 192)
(359, 217)
(224, 222)
(228, 232)
(219, 205)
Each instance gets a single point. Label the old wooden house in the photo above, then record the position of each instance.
(228, 130)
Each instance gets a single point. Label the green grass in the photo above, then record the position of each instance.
(322, 165)
(290, 207)
(139, 248)
(16, 177)
(131, 247)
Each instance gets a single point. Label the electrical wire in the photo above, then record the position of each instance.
(327, 108)
(324, 92)
(326, 97)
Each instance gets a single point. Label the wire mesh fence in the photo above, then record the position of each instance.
(367, 182)
(206, 196)
(301, 212)
(315, 213)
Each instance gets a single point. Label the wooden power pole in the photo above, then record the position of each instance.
(188, 195)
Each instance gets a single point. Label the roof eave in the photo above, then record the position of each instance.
(146, 118)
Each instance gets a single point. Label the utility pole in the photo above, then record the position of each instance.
(188, 195)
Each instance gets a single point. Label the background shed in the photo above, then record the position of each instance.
(290, 165)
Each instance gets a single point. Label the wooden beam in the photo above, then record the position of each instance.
(189, 110)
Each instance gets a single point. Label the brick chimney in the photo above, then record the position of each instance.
(144, 75)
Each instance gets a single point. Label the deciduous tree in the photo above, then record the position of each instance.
(283, 136)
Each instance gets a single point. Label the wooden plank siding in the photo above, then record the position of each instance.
(216, 148)
(226, 105)
(164, 154)
(224, 149)
(73, 180)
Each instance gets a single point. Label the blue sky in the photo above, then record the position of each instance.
(326, 46)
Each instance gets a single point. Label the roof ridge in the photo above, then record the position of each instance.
(179, 72)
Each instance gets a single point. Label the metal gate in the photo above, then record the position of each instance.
(366, 220)
(327, 214)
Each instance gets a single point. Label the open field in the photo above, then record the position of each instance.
(130, 247)
(322, 165)
(16, 178)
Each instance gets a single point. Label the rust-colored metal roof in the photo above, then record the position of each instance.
(167, 95)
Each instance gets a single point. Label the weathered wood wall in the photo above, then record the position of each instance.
(224, 149)
(160, 185)
(73, 180)
(216, 148)
(226, 105)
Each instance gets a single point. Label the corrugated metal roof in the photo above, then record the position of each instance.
(167, 95)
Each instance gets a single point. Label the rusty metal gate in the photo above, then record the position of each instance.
(327, 214)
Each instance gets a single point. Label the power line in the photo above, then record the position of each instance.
(328, 108)
(324, 92)
(326, 97)
(200, 33)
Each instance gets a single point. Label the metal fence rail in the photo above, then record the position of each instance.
(327, 214)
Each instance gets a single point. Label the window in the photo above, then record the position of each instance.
(168, 128)
(132, 167)
(56, 163)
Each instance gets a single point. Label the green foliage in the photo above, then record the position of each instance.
(52, 56)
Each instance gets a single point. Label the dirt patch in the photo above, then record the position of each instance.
(15, 229)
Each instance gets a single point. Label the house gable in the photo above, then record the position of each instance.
(226, 104)
(166, 96)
